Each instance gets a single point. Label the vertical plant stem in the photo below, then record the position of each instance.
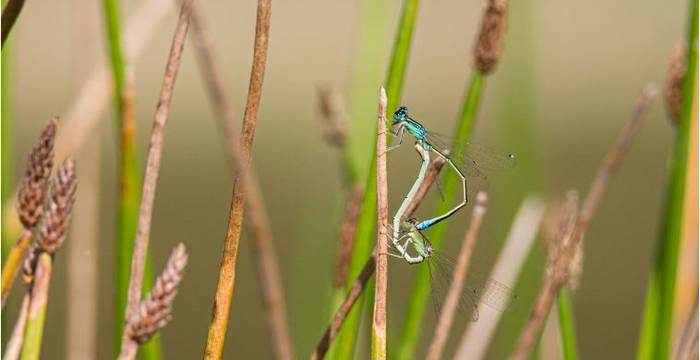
(559, 274)
(227, 271)
(567, 326)
(658, 314)
(363, 239)
(128, 169)
(442, 329)
(14, 345)
(37, 308)
(264, 251)
(413, 322)
(13, 263)
(344, 309)
(379, 316)
(155, 152)
(9, 16)
(518, 245)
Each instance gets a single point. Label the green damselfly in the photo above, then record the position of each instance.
(432, 142)
(415, 248)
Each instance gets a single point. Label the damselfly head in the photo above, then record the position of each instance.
(400, 115)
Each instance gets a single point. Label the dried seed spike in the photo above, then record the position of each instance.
(335, 127)
(489, 43)
(54, 225)
(155, 310)
(674, 82)
(31, 194)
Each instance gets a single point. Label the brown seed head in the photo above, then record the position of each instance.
(31, 194)
(487, 50)
(674, 82)
(155, 310)
(54, 225)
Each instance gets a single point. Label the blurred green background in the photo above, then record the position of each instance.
(570, 76)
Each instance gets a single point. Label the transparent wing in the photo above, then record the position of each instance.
(475, 159)
(441, 279)
(485, 290)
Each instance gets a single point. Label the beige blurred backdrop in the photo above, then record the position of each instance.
(572, 71)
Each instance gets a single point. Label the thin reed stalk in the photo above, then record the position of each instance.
(557, 236)
(379, 316)
(30, 202)
(567, 326)
(153, 162)
(449, 308)
(344, 309)
(486, 55)
(362, 246)
(560, 271)
(36, 314)
(655, 342)
(359, 284)
(265, 255)
(510, 261)
(348, 228)
(687, 345)
(39, 264)
(155, 311)
(128, 170)
(9, 16)
(227, 271)
(13, 347)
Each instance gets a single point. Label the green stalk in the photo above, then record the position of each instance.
(129, 177)
(31, 346)
(658, 312)
(421, 288)
(362, 246)
(567, 328)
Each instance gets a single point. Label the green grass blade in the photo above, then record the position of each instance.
(658, 314)
(362, 246)
(421, 288)
(567, 327)
(129, 180)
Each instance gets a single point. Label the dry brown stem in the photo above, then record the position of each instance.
(447, 314)
(153, 162)
(266, 259)
(489, 44)
(227, 271)
(379, 316)
(348, 228)
(9, 17)
(560, 270)
(687, 347)
(14, 346)
(339, 318)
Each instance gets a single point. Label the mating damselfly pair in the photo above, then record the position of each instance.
(408, 239)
